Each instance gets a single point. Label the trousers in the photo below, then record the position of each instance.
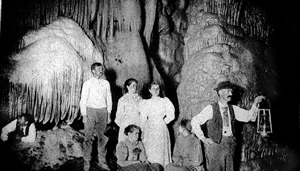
(95, 127)
(221, 156)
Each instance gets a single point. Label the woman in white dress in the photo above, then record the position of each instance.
(156, 113)
(127, 110)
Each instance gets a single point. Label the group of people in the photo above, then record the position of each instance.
(144, 139)
(147, 118)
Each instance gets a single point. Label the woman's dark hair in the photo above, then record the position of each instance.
(186, 123)
(161, 88)
(128, 82)
(130, 128)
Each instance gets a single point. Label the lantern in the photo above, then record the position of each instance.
(264, 121)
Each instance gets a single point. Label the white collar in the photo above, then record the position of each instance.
(222, 105)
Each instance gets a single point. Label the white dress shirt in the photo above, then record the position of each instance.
(207, 114)
(12, 127)
(95, 94)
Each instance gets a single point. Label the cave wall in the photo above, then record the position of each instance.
(223, 42)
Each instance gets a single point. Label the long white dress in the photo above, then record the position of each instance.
(156, 113)
(127, 113)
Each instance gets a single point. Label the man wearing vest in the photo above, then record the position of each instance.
(21, 129)
(219, 119)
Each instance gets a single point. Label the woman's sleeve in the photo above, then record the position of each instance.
(120, 112)
(170, 111)
(121, 153)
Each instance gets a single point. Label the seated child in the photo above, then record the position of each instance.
(187, 154)
(131, 153)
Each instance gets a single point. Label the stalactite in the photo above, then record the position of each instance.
(38, 106)
(99, 19)
(35, 102)
(87, 15)
(150, 9)
(41, 109)
(82, 16)
(11, 99)
(69, 8)
(26, 100)
(111, 20)
(64, 100)
(75, 10)
(54, 98)
(71, 97)
(80, 12)
(104, 21)
(46, 115)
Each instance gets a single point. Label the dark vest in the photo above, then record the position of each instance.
(214, 126)
(20, 133)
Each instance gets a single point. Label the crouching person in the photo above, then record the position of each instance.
(187, 154)
(131, 153)
(19, 130)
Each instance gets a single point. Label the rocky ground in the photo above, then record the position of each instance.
(61, 150)
(56, 149)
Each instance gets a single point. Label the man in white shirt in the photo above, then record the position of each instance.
(21, 129)
(220, 118)
(95, 107)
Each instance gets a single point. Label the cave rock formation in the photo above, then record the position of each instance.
(49, 70)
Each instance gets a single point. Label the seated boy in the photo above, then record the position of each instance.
(187, 154)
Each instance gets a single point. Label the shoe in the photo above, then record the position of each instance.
(103, 166)
(86, 166)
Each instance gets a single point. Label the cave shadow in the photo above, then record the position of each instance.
(112, 128)
(116, 91)
(237, 95)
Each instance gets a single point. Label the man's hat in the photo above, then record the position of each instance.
(224, 85)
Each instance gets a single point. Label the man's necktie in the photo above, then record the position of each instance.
(225, 116)
(22, 131)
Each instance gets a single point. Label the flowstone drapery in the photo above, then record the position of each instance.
(49, 71)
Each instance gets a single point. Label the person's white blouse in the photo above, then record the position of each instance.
(127, 113)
